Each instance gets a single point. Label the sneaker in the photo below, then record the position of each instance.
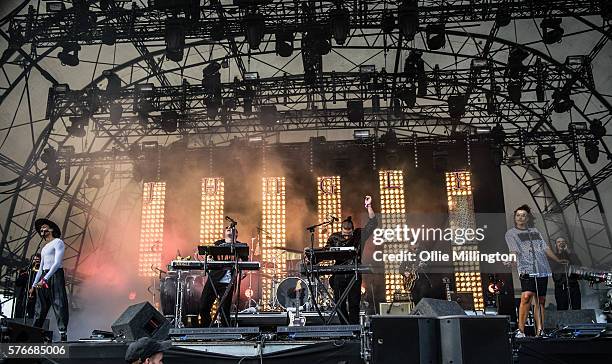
(63, 337)
(518, 334)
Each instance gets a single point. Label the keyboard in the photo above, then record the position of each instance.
(211, 265)
(332, 253)
(336, 269)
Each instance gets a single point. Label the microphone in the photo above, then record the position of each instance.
(334, 218)
(231, 220)
(42, 232)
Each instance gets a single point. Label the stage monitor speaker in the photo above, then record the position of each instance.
(554, 319)
(396, 308)
(475, 340)
(464, 299)
(406, 339)
(434, 308)
(141, 320)
(15, 332)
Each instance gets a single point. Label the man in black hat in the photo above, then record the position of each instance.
(50, 283)
(147, 351)
(351, 237)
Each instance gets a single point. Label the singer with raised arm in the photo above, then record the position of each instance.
(50, 283)
(531, 251)
(216, 284)
(350, 236)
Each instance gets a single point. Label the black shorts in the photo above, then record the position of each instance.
(528, 284)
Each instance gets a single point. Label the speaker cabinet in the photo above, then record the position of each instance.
(475, 340)
(16, 332)
(405, 339)
(434, 308)
(554, 319)
(141, 320)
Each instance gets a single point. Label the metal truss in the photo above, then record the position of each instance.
(44, 30)
(304, 108)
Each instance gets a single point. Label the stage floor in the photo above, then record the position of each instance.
(526, 351)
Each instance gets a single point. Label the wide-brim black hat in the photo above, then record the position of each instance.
(40, 222)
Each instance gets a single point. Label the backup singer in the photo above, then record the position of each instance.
(567, 289)
(349, 236)
(50, 283)
(217, 282)
(25, 305)
(526, 242)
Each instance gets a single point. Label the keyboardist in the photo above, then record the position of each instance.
(217, 282)
(349, 236)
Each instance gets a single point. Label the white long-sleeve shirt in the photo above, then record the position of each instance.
(51, 259)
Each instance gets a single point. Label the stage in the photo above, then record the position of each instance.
(525, 351)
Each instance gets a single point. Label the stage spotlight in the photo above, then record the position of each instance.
(606, 9)
(247, 105)
(284, 43)
(83, 18)
(340, 19)
(491, 108)
(55, 6)
(361, 134)
(217, 31)
(515, 66)
(456, 106)
(212, 107)
(436, 36)
(49, 155)
(546, 157)
(169, 121)
(109, 36)
(597, 129)
(387, 23)
(77, 126)
(407, 94)
(408, 18)
(561, 102)
(268, 115)
(142, 98)
(115, 111)
(211, 79)
(69, 55)
(551, 30)
(440, 160)
(591, 149)
(503, 17)
(355, 111)
(175, 39)
(413, 64)
(113, 85)
(254, 28)
(390, 142)
(398, 112)
(498, 135)
(95, 177)
(515, 90)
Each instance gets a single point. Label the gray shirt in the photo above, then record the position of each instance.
(521, 242)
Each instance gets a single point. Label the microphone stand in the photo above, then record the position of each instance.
(28, 285)
(310, 277)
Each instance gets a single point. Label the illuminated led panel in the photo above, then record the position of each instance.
(151, 228)
(393, 211)
(329, 196)
(273, 217)
(461, 216)
(211, 214)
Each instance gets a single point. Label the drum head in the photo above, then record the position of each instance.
(194, 284)
(292, 292)
(167, 288)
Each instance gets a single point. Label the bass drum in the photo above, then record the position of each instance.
(167, 294)
(292, 292)
(194, 284)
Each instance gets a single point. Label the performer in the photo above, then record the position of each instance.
(567, 289)
(215, 286)
(50, 283)
(530, 249)
(349, 236)
(147, 351)
(25, 305)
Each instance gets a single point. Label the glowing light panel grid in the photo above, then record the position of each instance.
(273, 218)
(151, 228)
(461, 215)
(329, 202)
(211, 214)
(393, 211)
